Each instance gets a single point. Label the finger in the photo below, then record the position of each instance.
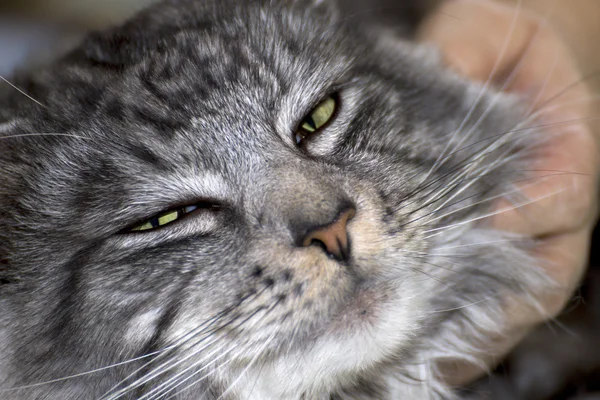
(561, 195)
(564, 258)
(476, 35)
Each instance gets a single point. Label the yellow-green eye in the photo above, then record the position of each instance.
(163, 219)
(317, 119)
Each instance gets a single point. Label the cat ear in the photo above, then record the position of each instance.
(122, 45)
(127, 44)
(112, 49)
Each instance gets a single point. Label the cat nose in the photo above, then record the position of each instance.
(333, 237)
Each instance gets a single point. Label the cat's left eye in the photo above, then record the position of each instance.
(168, 217)
(318, 118)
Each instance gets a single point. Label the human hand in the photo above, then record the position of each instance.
(519, 52)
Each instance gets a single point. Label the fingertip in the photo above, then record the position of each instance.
(466, 60)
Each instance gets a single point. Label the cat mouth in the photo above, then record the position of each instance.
(361, 308)
(372, 324)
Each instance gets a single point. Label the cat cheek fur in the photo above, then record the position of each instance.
(198, 101)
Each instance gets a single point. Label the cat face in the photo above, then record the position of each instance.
(250, 198)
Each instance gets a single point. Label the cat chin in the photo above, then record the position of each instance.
(376, 327)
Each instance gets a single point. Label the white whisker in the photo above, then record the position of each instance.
(21, 91)
(82, 373)
(491, 214)
(44, 134)
(258, 353)
(484, 89)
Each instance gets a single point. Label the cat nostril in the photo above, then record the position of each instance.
(332, 238)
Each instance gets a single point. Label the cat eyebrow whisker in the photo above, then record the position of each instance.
(36, 134)
(22, 92)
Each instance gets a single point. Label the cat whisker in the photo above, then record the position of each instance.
(460, 246)
(491, 214)
(158, 352)
(440, 194)
(566, 89)
(503, 159)
(462, 307)
(227, 362)
(545, 82)
(435, 278)
(168, 365)
(470, 205)
(158, 370)
(515, 191)
(511, 77)
(250, 364)
(484, 89)
(178, 343)
(170, 382)
(516, 69)
(79, 375)
(175, 381)
(550, 108)
(257, 377)
(44, 134)
(244, 350)
(199, 380)
(21, 91)
(460, 167)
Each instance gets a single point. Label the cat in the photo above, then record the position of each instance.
(254, 200)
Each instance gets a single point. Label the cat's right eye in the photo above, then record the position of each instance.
(170, 216)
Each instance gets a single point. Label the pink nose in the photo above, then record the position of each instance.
(333, 237)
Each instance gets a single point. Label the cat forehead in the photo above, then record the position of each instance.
(210, 86)
(238, 65)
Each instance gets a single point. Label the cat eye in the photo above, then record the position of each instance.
(318, 118)
(167, 217)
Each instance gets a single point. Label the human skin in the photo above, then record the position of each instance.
(517, 48)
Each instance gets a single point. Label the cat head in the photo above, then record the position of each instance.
(234, 190)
